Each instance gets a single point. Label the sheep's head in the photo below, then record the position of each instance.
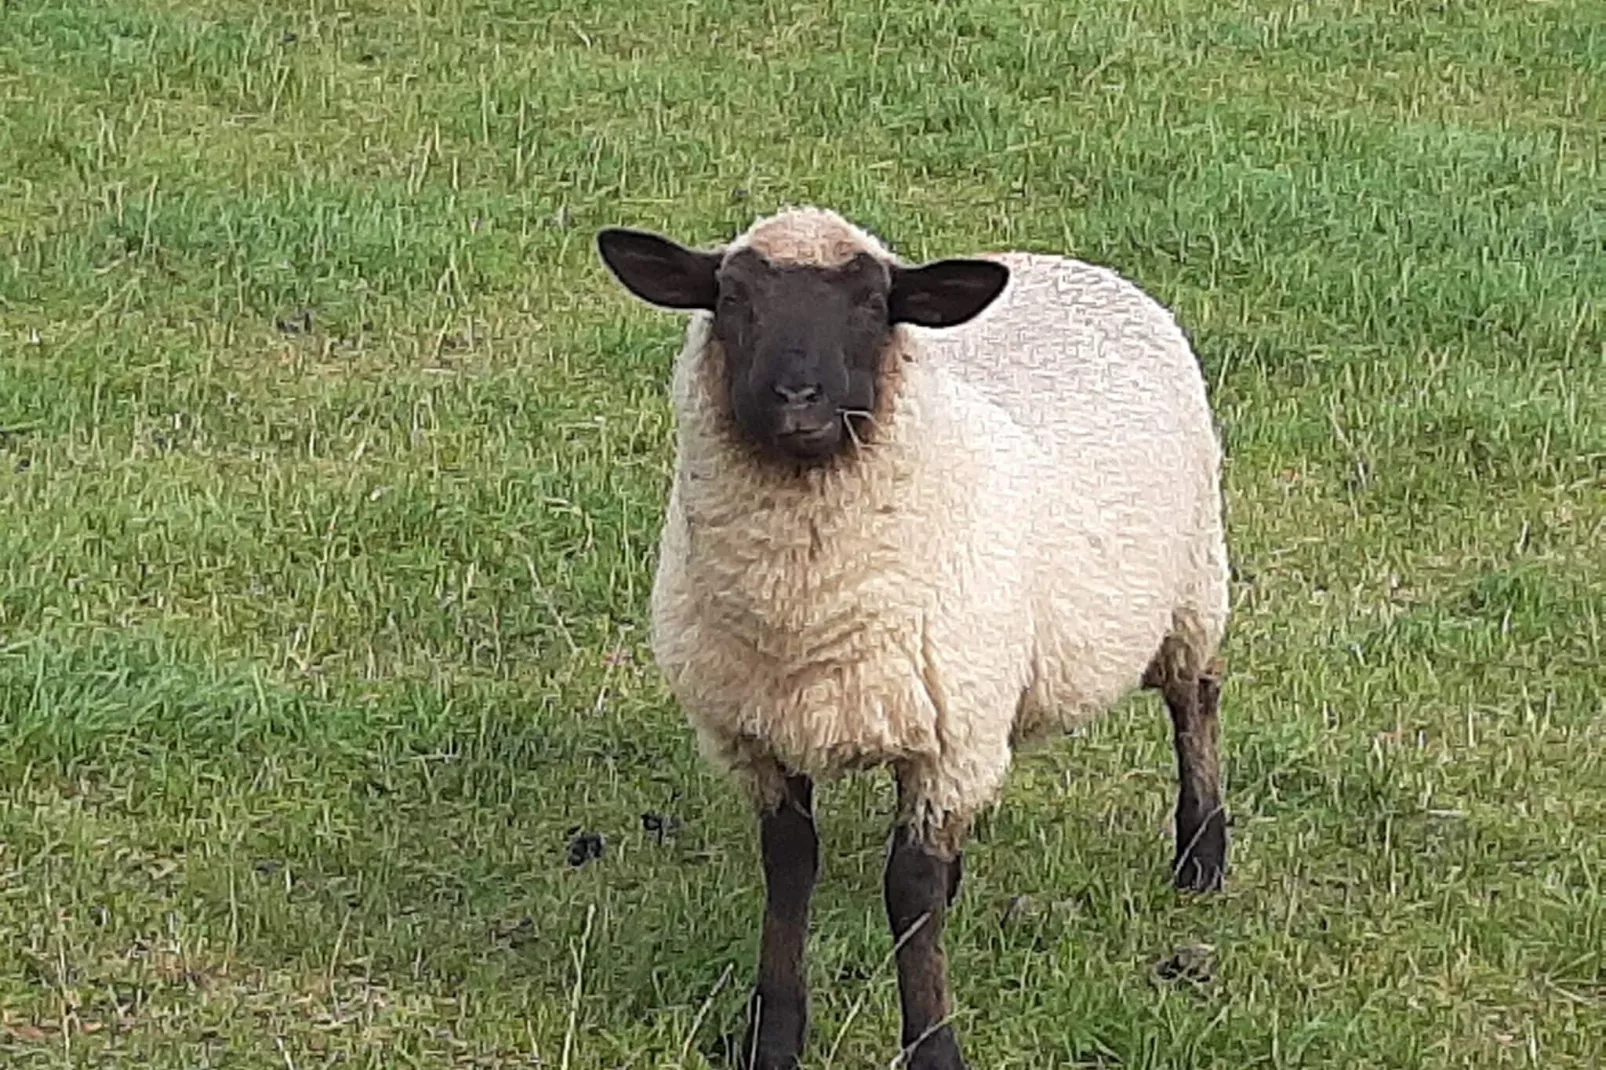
(804, 321)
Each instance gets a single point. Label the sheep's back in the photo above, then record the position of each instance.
(1084, 358)
(1124, 470)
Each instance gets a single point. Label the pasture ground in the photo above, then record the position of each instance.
(331, 464)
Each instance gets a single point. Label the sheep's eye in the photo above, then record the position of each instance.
(733, 310)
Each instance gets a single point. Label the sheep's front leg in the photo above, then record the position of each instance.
(922, 879)
(778, 1013)
(1201, 859)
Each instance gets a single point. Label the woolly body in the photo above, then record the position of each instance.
(1034, 527)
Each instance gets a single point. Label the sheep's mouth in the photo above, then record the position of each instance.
(811, 441)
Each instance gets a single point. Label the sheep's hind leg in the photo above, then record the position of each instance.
(778, 1012)
(922, 879)
(1200, 864)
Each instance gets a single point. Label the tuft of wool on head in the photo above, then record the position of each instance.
(809, 237)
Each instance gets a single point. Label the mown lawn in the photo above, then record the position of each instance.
(331, 465)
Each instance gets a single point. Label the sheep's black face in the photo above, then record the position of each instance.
(803, 348)
(803, 345)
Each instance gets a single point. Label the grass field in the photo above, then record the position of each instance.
(331, 465)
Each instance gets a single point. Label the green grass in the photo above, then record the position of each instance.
(319, 636)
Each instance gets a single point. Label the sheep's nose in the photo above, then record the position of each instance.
(798, 395)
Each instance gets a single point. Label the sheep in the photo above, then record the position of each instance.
(921, 516)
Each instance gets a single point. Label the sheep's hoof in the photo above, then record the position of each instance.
(948, 1061)
(773, 1039)
(768, 1056)
(765, 1058)
(941, 1062)
(1201, 862)
(940, 1051)
(770, 1061)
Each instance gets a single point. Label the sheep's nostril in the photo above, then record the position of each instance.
(800, 395)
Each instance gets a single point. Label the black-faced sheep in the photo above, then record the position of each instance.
(921, 515)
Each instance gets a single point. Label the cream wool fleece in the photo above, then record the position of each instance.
(1034, 524)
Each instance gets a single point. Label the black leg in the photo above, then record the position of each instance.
(1200, 864)
(779, 1012)
(921, 881)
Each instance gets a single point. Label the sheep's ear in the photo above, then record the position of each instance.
(944, 293)
(659, 271)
